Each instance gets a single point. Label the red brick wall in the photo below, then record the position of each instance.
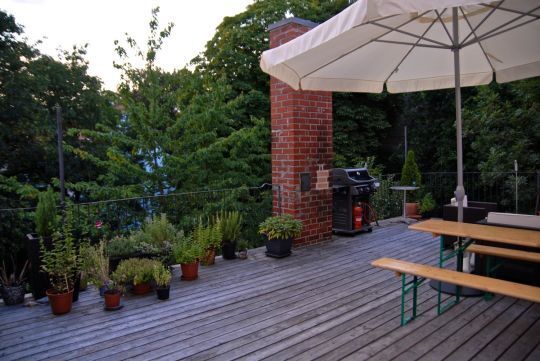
(301, 143)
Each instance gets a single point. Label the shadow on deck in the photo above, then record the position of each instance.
(324, 302)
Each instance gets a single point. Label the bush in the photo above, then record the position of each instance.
(410, 174)
(135, 270)
(162, 276)
(46, 217)
(283, 226)
(187, 251)
(427, 204)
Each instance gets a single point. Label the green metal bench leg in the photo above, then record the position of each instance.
(413, 285)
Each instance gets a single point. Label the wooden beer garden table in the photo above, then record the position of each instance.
(496, 234)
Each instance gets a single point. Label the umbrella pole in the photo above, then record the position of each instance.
(460, 191)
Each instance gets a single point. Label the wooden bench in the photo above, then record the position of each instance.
(486, 284)
(504, 253)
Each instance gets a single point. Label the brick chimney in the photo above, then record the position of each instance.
(301, 146)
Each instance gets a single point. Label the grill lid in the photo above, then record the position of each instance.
(351, 177)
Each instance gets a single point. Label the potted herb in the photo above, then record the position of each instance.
(112, 295)
(95, 265)
(187, 253)
(280, 231)
(12, 283)
(136, 271)
(162, 277)
(209, 238)
(230, 225)
(47, 222)
(427, 205)
(242, 249)
(61, 265)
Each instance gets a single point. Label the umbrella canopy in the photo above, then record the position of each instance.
(414, 45)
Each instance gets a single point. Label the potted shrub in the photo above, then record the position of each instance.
(242, 249)
(187, 253)
(12, 284)
(95, 265)
(230, 225)
(152, 241)
(61, 265)
(427, 205)
(279, 232)
(410, 176)
(112, 295)
(136, 271)
(209, 238)
(47, 222)
(162, 277)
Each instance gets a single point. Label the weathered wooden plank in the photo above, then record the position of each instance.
(509, 335)
(358, 343)
(524, 345)
(480, 340)
(424, 341)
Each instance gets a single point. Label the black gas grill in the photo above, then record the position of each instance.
(352, 190)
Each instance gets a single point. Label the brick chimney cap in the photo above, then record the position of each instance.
(307, 23)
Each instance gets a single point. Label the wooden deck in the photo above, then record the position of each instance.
(324, 302)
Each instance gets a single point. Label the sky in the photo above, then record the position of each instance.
(64, 23)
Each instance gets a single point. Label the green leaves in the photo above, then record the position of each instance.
(283, 226)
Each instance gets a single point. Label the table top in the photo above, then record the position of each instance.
(514, 236)
(404, 188)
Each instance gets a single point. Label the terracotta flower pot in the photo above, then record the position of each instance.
(190, 271)
(141, 288)
(411, 210)
(112, 298)
(60, 302)
(209, 257)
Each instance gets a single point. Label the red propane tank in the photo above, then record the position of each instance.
(358, 213)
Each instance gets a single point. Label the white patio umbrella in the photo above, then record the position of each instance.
(413, 45)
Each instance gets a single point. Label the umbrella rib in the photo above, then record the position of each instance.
(361, 46)
(443, 24)
(410, 34)
(412, 44)
(410, 50)
(493, 8)
(511, 10)
(493, 32)
(476, 37)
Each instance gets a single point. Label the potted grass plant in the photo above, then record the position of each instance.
(280, 231)
(231, 226)
(187, 253)
(162, 278)
(13, 283)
